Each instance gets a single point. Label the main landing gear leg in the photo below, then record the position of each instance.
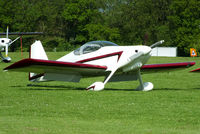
(147, 86)
(98, 86)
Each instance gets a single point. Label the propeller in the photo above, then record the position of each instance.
(13, 41)
(9, 43)
(7, 33)
(157, 43)
(6, 47)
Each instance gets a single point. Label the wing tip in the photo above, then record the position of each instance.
(195, 70)
(18, 64)
(192, 63)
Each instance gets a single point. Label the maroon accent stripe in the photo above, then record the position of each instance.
(168, 65)
(21, 47)
(92, 87)
(196, 70)
(28, 62)
(30, 53)
(36, 76)
(101, 57)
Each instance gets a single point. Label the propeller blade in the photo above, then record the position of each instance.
(157, 43)
(6, 50)
(9, 45)
(7, 32)
(14, 41)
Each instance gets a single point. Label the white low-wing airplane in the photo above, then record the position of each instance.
(6, 42)
(96, 58)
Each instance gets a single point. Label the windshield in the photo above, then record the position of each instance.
(93, 46)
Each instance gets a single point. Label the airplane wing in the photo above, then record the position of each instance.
(59, 68)
(22, 33)
(56, 67)
(152, 68)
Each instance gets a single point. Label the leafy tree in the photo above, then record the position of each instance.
(100, 32)
(77, 14)
(126, 22)
(6, 14)
(184, 24)
(84, 21)
(43, 16)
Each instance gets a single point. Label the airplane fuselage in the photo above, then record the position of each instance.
(125, 57)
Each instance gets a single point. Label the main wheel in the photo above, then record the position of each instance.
(147, 86)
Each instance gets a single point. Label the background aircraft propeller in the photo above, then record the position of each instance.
(157, 44)
(8, 43)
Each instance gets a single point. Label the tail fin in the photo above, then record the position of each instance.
(37, 52)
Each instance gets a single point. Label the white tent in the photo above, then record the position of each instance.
(164, 51)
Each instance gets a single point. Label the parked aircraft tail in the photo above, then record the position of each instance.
(37, 52)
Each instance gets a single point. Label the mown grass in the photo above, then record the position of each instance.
(173, 107)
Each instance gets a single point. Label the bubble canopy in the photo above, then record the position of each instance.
(92, 46)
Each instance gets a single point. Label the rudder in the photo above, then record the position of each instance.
(37, 52)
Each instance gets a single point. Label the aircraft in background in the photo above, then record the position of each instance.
(6, 42)
(96, 58)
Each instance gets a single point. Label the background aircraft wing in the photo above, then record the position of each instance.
(56, 67)
(152, 68)
(22, 33)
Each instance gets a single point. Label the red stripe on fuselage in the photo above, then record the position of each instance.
(35, 77)
(101, 57)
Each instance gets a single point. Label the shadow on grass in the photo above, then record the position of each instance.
(113, 89)
(173, 89)
(198, 88)
(155, 89)
(52, 88)
(69, 88)
(47, 87)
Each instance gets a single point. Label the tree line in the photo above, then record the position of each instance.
(66, 24)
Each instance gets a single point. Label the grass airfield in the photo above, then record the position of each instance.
(173, 107)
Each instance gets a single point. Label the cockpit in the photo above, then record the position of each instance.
(92, 46)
